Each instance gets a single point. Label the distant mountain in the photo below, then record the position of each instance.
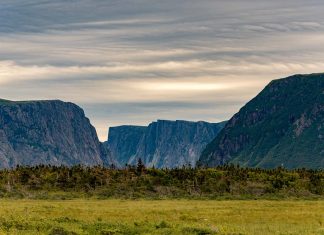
(282, 126)
(48, 132)
(123, 142)
(163, 144)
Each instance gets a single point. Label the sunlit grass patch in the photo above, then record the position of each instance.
(161, 217)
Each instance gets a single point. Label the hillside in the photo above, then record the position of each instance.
(283, 125)
(163, 143)
(47, 132)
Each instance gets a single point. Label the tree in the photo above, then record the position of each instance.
(140, 166)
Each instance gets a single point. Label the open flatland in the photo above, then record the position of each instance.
(161, 217)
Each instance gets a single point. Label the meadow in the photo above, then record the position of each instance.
(115, 216)
(227, 200)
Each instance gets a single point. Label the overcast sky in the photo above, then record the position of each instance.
(135, 61)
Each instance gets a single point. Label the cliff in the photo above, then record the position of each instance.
(47, 132)
(163, 144)
(123, 142)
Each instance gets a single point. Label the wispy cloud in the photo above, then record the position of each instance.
(135, 61)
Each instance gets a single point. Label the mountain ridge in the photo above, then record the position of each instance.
(163, 143)
(47, 132)
(270, 130)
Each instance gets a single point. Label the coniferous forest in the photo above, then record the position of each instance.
(227, 181)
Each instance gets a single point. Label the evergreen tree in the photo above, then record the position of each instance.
(140, 166)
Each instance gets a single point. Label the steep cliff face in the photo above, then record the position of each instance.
(47, 132)
(283, 125)
(163, 143)
(123, 142)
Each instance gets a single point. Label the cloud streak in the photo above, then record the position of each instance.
(130, 62)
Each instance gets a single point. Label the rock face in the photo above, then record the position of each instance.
(123, 142)
(47, 132)
(283, 125)
(163, 144)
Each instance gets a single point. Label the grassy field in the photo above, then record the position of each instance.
(161, 217)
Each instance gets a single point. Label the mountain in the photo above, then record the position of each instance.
(281, 126)
(163, 144)
(123, 142)
(47, 132)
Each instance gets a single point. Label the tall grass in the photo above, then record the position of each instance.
(161, 217)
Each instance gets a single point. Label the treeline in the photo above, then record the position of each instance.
(227, 181)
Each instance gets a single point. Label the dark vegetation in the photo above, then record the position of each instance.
(222, 182)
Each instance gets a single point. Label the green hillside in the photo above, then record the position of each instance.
(283, 125)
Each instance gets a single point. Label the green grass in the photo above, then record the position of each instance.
(161, 217)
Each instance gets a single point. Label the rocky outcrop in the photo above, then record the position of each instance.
(282, 126)
(48, 132)
(163, 144)
(123, 142)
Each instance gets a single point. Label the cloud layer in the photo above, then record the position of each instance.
(134, 61)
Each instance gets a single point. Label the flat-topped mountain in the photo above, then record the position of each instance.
(123, 142)
(163, 144)
(47, 132)
(282, 126)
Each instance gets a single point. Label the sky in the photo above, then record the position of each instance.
(135, 61)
